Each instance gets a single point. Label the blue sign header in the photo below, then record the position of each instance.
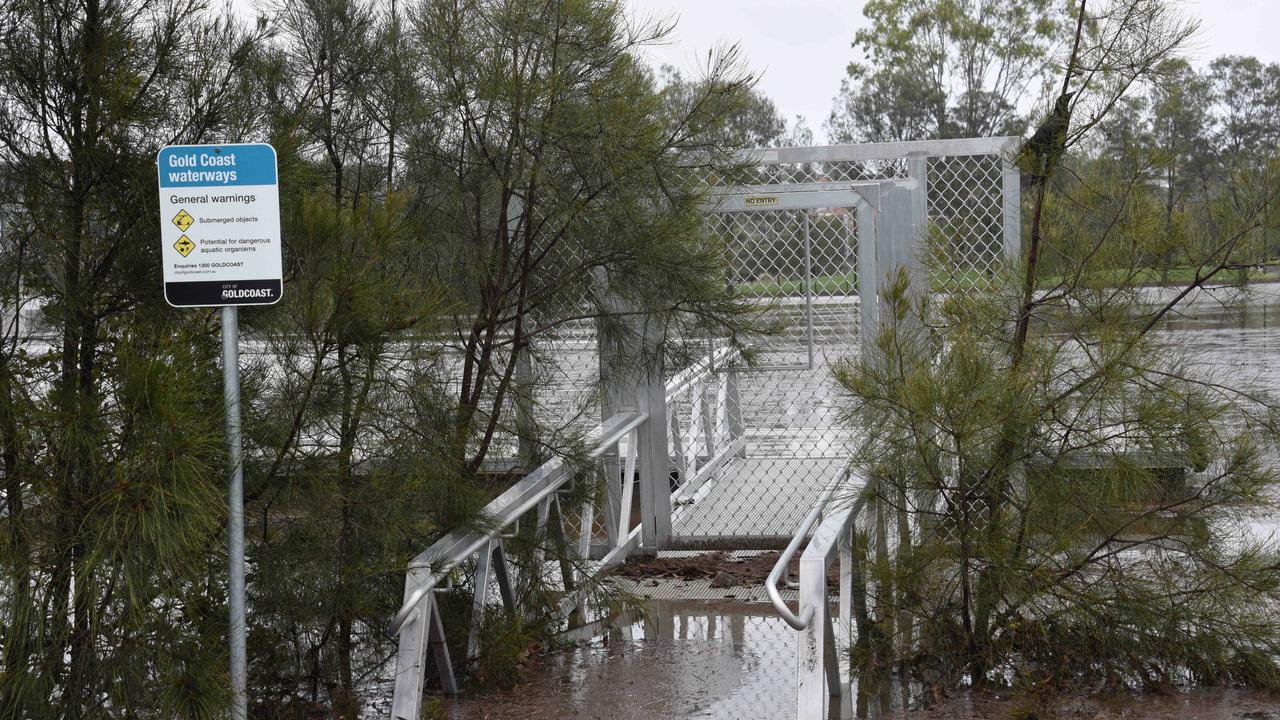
(186, 166)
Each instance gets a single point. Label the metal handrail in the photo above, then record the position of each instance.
(801, 621)
(704, 367)
(457, 546)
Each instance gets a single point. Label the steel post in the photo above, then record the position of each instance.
(1011, 199)
(235, 508)
(868, 271)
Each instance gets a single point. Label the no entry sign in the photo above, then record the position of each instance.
(220, 225)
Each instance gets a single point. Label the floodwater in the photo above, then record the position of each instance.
(729, 662)
(682, 661)
(1199, 704)
(737, 662)
(1233, 333)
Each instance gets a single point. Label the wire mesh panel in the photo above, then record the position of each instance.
(966, 217)
(829, 171)
(561, 380)
(564, 382)
(798, 263)
(799, 267)
(564, 377)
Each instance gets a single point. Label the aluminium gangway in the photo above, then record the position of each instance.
(751, 456)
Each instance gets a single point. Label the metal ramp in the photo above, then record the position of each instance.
(817, 232)
(755, 503)
(962, 202)
(728, 454)
(793, 253)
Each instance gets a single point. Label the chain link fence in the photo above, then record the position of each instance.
(966, 219)
(753, 442)
(799, 268)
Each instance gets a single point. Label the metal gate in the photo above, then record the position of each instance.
(753, 444)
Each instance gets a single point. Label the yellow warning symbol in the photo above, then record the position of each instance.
(183, 220)
(184, 245)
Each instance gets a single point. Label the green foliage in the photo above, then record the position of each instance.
(945, 68)
(338, 488)
(751, 119)
(456, 181)
(110, 407)
(567, 186)
(1185, 138)
(508, 651)
(463, 180)
(1077, 514)
(1055, 497)
(362, 445)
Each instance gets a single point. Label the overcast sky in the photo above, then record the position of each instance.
(799, 48)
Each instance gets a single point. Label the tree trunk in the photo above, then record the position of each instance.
(905, 590)
(346, 705)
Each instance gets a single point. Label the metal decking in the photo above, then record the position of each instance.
(755, 502)
(755, 432)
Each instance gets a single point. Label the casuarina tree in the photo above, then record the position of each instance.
(1056, 496)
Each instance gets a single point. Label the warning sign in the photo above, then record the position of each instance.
(221, 239)
(183, 220)
(184, 246)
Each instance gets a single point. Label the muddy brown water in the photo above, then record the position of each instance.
(732, 662)
(680, 661)
(737, 662)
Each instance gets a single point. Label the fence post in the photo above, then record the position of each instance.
(892, 222)
(733, 410)
(631, 375)
(1011, 197)
(899, 236)
(613, 399)
(868, 273)
(917, 233)
(524, 387)
(654, 460)
(812, 691)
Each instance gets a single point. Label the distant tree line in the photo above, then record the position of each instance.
(1191, 134)
(944, 69)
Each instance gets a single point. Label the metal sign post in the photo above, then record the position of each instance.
(220, 245)
(235, 507)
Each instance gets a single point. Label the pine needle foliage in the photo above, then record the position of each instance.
(1057, 496)
(460, 177)
(110, 407)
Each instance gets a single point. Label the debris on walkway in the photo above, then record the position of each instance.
(722, 569)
